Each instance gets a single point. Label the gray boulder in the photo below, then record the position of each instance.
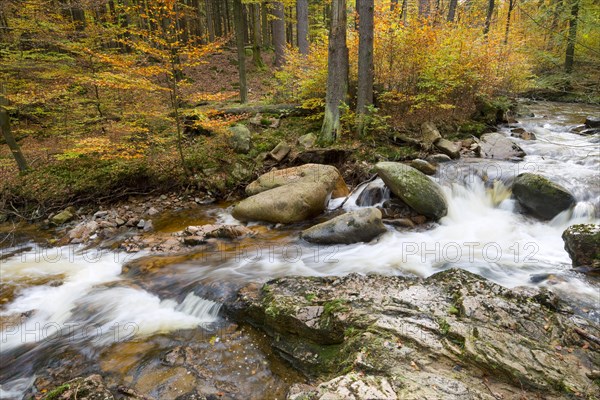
(293, 202)
(438, 158)
(326, 174)
(429, 134)
(423, 166)
(592, 122)
(280, 151)
(448, 148)
(356, 226)
(582, 242)
(413, 188)
(540, 196)
(240, 139)
(307, 140)
(499, 147)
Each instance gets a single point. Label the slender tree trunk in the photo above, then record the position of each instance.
(404, 13)
(266, 37)
(337, 73)
(210, 25)
(452, 10)
(570, 55)
(302, 25)
(424, 8)
(239, 38)
(488, 17)
(364, 97)
(257, 43)
(393, 5)
(511, 5)
(8, 136)
(279, 33)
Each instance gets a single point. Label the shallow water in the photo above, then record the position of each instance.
(121, 316)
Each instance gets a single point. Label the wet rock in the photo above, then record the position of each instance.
(411, 334)
(361, 225)
(63, 217)
(540, 196)
(590, 132)
(582, 242)
(429, 134)
(240, 139)
(448, 148)
(141, 223)
(522, 134)
(280, 151)
(592, 122)
(423, 166)
(148, 226)
(372, 194)
(195, 235)
(413, 188)
(438, 158)
(89, 388)
(497, 146)
(401, 223)
(119, 221)
(307, 140)
(83, 231)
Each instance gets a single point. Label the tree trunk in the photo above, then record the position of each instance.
(257, 43)
(266, 38)
(210, 26)
(279, 33)
(424, 8)
(365, 59)
(452, 10)
(393, 5)
(302, 25)
(240, 28)
(488, 17)
(570, 55)
(511, 5)
(337, 73)
(8, 136)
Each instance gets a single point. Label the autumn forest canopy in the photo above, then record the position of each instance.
(102, 95)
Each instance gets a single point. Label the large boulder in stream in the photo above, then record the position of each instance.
(497, 146)
(453, 335)
(356, 226)
(291, 195)
(582, 242)
(414, 188)
(317, 173)
(540, 196)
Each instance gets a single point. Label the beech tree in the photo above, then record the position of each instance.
(337, 72)
(302, 25)
(8, 136)
(278, 24)
(240, 27)
(364, 97)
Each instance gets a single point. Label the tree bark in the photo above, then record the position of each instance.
(266, 38)
(365, 59)
(452, 10)
(8, 136)
(488, 17)
(424, 8)
(279, 33)
(210, 25)
(511, 5)
(337, 73)
(240, 28)
(302, 25)
(570, 55)
(256, 39)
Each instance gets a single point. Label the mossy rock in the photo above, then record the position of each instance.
(582, 242)
(414, 188)
(540, 196)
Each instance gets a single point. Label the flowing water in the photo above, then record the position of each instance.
(131, 320)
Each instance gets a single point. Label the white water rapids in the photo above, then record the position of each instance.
(484, 232)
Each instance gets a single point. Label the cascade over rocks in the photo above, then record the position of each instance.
(454, 335)
(291, 195)
(414, 188)
(540, 196)
(356, 226)
(582, 242)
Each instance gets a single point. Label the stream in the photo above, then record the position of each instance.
(146, 322)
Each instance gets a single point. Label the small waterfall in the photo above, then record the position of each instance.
(204, 310)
